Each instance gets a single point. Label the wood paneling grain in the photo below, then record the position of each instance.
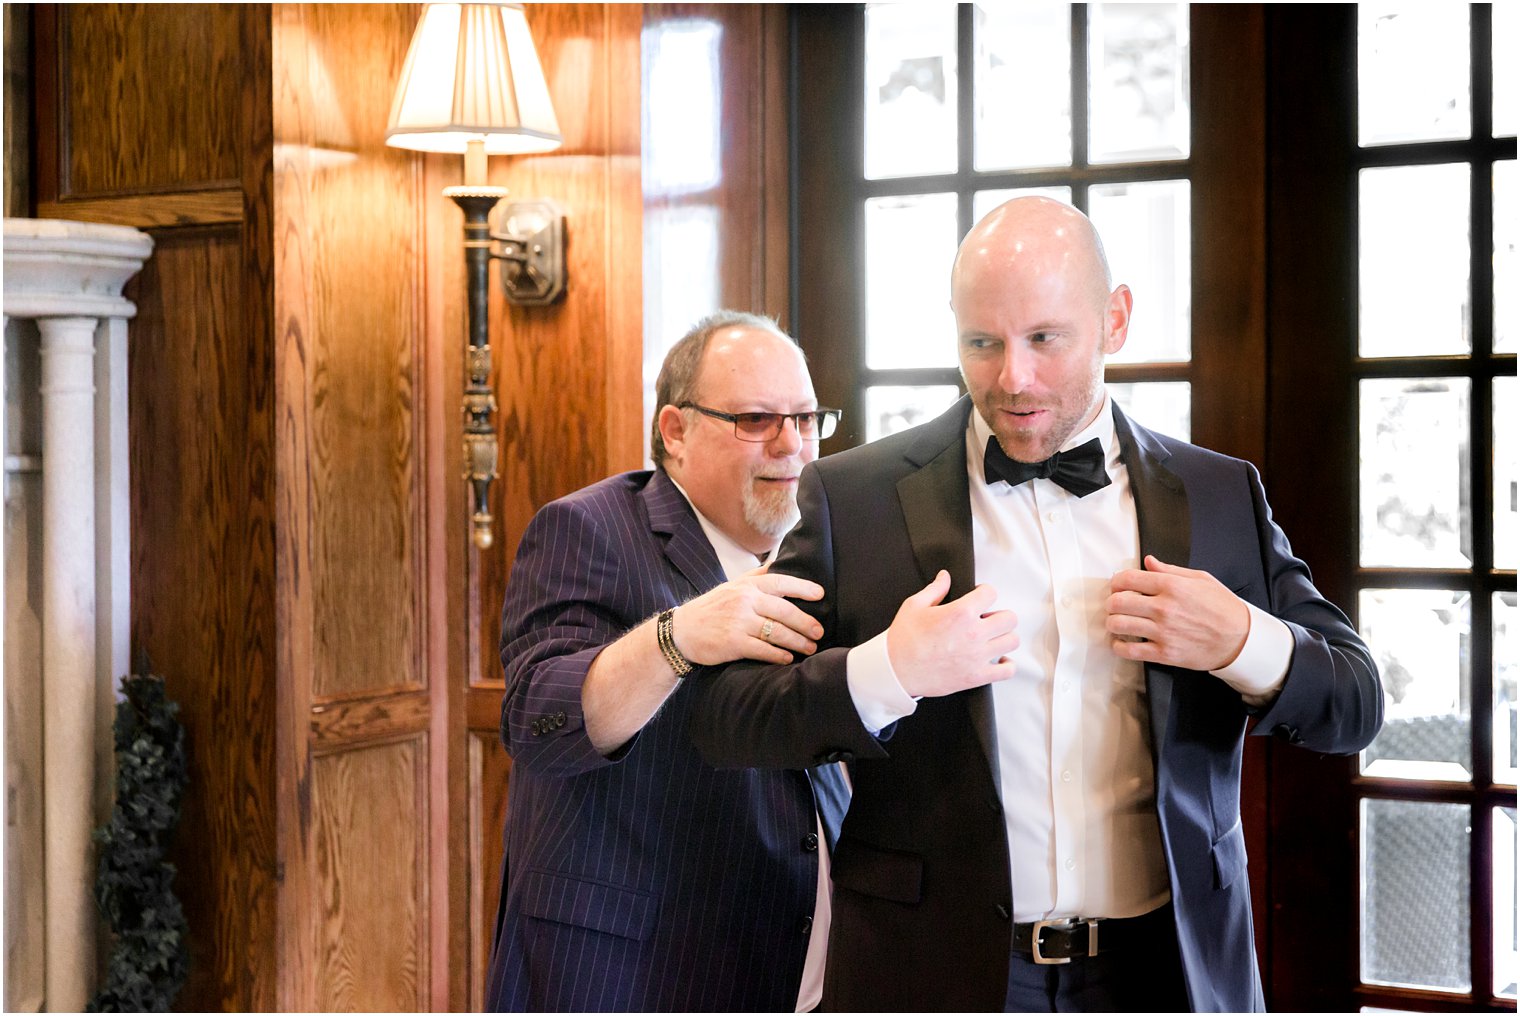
(368, 815)
(566, 376)
(149, 96)
(362, 331)
(153, 211)
(202, 583)
(349, 270)
(490, 773)
(336, 724)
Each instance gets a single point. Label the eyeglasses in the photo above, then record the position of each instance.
(814, 425)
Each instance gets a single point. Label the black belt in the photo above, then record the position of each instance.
(1061, 940)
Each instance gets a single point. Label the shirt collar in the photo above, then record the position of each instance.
(733, 558)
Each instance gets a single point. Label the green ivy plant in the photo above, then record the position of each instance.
(133, 881)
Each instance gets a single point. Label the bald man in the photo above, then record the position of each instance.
(1046, 629)
(637, 878)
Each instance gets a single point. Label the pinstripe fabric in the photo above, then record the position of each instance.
(650, 881)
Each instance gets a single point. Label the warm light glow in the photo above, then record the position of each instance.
(472, 74)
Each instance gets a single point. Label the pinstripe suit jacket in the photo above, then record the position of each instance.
(649, 881)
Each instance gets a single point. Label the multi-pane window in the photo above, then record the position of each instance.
(968, 105)
(1437, 498)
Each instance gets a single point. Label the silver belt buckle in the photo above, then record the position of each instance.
(1064, 922)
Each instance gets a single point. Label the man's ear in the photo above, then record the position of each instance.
(1116, 319)
(672, 430)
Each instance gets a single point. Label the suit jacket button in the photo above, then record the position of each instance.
(810, 841)
(559, 719)
(807, 925)
(839, 756)
(537, 728)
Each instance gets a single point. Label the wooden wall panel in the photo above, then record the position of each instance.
(202, 591)
(149, 92)
(360, 255)
(370, 848)
(490, 772)
(351, 219)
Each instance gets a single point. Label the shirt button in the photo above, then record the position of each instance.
(1066, 776)
(1052, 517)
(1070, 864)
(1066, 601)
(1066, 686)
(810, 841)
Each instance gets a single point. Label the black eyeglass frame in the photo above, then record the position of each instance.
(825, 420)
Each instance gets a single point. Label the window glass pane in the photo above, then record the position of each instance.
(1506, 518)
(910, 242)
(984, 201)
(1505, 83)
(1420, 639)
(1506, 262)
(1415, 465)
(1137, 82)
(1023, 85)
(1146, 234)
(1413, 261)
(1415, 928)
(1506, 941)
(891, 408)
(1506, 665)
(1166, 406)
(1413, 66)
(683, 118)
(680, 282)
(910, 89)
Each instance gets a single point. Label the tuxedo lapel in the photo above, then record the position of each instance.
(936, 505)
(686, 545)
(1161, 510)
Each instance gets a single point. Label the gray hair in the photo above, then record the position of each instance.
(678, 374)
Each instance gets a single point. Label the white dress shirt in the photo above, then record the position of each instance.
(1073, 723)
(735, 561)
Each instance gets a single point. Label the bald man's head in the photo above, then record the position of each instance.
(1034, 235)
(1035, 317)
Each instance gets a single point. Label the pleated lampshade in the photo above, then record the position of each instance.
(472, 74)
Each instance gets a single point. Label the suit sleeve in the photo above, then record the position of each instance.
(800, 714)
(566, 601)
(1332, 699)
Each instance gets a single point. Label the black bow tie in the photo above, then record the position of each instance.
(1080, 469)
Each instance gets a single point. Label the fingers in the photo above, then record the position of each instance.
(785, 585)
(934, 592)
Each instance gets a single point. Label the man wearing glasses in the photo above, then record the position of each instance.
(636, 876)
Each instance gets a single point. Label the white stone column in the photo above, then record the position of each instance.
(68, 653)
(68, 276)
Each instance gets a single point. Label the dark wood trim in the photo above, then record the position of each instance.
(47, 112)
(828, 135)
(153, 211)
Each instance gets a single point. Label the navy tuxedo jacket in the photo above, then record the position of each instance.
(922, 892)
(650, 881)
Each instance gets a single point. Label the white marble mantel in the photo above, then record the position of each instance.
(67, 278)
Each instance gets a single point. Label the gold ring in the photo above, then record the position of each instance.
(766, 629)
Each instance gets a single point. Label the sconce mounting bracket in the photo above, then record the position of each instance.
(528, 237)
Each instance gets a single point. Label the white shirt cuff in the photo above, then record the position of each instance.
(1261, 668)
(878, 696)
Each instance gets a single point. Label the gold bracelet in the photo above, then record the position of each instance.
(664, 634)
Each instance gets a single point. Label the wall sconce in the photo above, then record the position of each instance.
(472, 84)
